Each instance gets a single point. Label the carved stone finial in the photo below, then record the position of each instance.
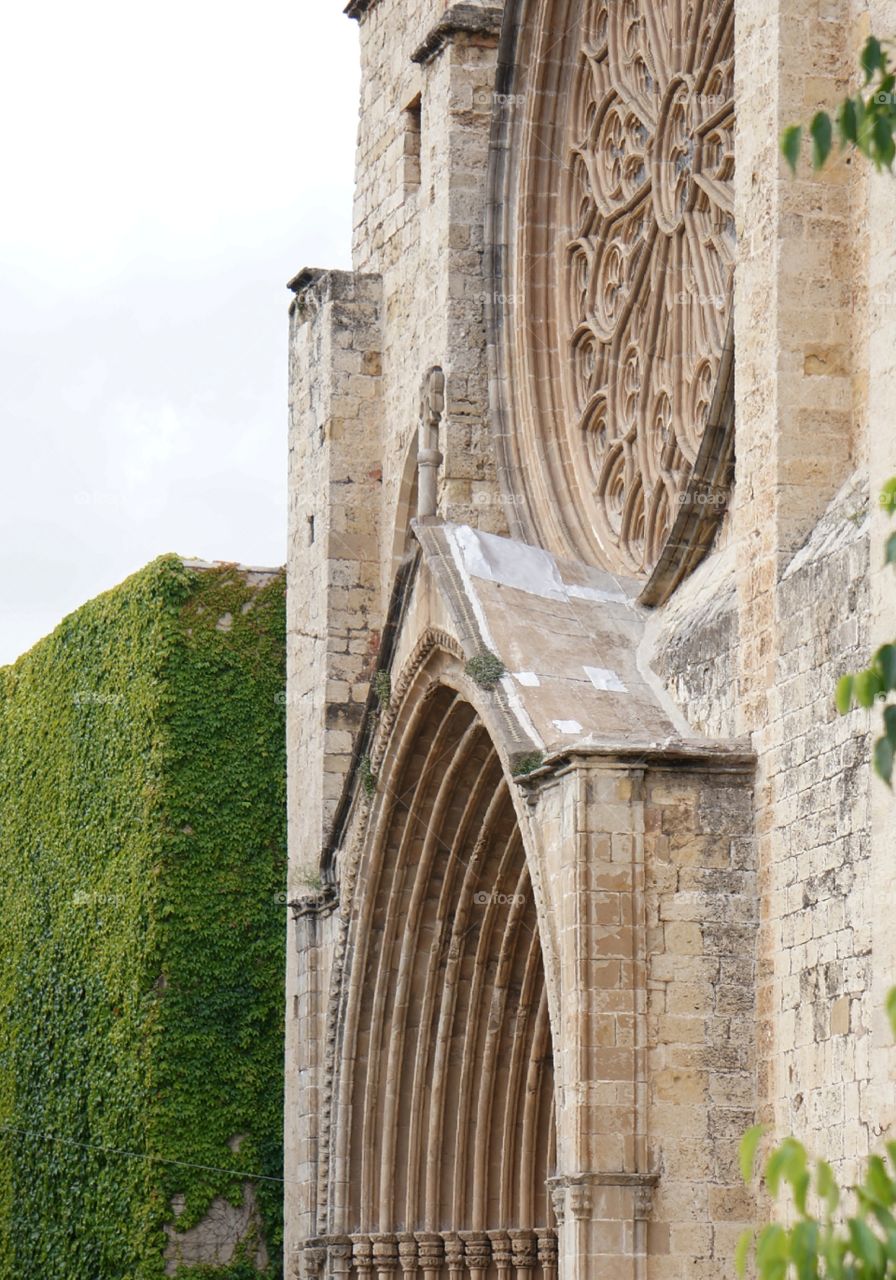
(429, 458)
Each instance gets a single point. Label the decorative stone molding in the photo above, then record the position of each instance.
(460, 20)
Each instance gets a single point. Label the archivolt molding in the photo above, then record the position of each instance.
(612, 257)
(438, 1098)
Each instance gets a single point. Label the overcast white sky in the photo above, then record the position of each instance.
(165, 170)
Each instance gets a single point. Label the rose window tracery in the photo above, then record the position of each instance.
(647, 197)
(613, 253)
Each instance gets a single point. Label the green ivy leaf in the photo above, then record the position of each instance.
(822, 134)
(772, 1251)
(848, 121)
(866, 687)
(885, 659)
(883, 760)
(872, 57)
(843, 696)
(742, 1252)
(890, 549)
(790, 145)
(888, 496)
(865, 1245)
(748, 1144)
(883, 141)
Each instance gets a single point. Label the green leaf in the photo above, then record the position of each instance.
(866, 687)
(771, 1248)
(865, 1245)
(886, 661)
(883, 760)
(742, 1252)
(843, 696)
(826, 1185)
(891, 1013)
(890, 549)
(872, 57)
(848, 121)
(790, 145)
(804, 1249)
(878, 1187)
(884, 146)
(787, 1161)
(822, 134)
(888, 496)
(890, 723)
(748, 1144)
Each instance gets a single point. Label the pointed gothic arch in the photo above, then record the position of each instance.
(442, 1133)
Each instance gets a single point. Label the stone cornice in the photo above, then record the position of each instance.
(460, 19)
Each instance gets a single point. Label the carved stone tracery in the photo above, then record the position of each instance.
(612, 249)
(649, 261)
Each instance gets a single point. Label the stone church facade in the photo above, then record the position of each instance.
(586, 873)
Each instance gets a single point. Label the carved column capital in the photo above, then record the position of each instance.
(339, 1255)
(454, 1255)
(362, 1255)
(407, 1253)
(477, 1253)
(525, 1252)
(313, 1259)
(430, 1253)
(557, 1190)
(579, 1199)
(385, 1255)
(547, 1251)
(502, 1252)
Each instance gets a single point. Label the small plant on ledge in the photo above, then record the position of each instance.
(485, 669)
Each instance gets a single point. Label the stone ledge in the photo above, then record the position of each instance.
(315, 286)
(460, 19)
(357, 8)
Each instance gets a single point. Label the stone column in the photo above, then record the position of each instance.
(431, 1254)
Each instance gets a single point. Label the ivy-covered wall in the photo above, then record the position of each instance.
(142, 926)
